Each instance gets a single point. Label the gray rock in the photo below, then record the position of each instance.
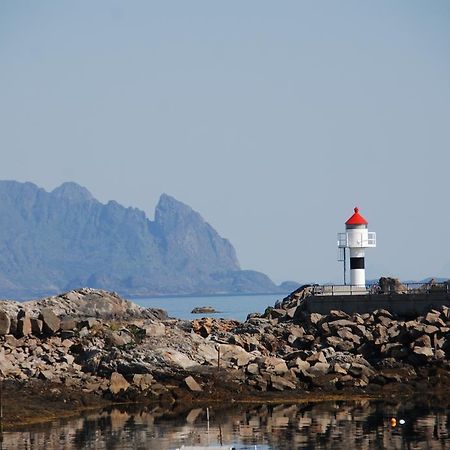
(394, 331)
(423, 341)
(46, 375)
(388, 284)
(395, 350)
(132, 367)
(155, 329)
(276, 313)
(438, 342)
(23, 326)
(119, 338)
(87, 323)
(67, 334)
(83, 332)
(445, 312)
(317, 357)
(261, 383)
(340, 323)
(280, 383)
(143, 381)
(291, 312)
(192, 384)
(253, 369)
(340, 344)
(362, 331)
(175, 358)
(5, 323)
(346, 334)
(36, 326)
(203, 310)
(118, 383)
(358, 370)
(275, 365)
(433, 318)
(315, 318)
(11, 341)
(51, 322)
(337, 314)
(430, 329)
(320, 368)
(235, 355)
(380, 334)
(68, 324)
(301, 364)
(423, 351)
(382, 313)
(385, 321)
(337, 368)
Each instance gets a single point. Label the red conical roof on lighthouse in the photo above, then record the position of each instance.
(356, 219)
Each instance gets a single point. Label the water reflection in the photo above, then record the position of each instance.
(326, 425)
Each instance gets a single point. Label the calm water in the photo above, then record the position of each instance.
(326, 425)
(230, 307)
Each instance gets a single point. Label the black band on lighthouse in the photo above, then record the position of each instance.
(357, 263)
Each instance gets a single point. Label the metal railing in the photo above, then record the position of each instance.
(370, 241)
(384, 289)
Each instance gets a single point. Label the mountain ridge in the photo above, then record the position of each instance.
(66, 239)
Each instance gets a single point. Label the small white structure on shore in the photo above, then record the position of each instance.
(357, 238)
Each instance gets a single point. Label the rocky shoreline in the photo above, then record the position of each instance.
(89, 348)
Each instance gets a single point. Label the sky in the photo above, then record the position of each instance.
(272, 119)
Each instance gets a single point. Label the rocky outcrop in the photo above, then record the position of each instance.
(285, 348)
(58, 310)
(203, 310)
(388, 284)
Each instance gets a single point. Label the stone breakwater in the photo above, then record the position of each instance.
(97, 343)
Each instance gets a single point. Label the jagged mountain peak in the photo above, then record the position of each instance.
(66, 239)
(170, 213)
(72, 191)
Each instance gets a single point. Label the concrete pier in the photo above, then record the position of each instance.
(401, 304)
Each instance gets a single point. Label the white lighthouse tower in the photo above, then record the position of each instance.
(357, 238)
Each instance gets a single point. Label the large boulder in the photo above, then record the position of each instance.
(23, 324)
(280, 384)
(154, 329)
(235, 355)
(389, 284)
(36, 326)
(5, 323)
(50, 321)
(118, 383)
(192, 384)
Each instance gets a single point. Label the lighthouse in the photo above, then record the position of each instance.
(356, 238)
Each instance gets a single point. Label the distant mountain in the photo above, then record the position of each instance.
(66, 239)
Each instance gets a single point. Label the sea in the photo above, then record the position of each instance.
(235, 307)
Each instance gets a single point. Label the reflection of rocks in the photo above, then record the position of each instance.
(340, 425)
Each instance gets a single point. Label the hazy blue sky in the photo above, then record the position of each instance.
(272, 119)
